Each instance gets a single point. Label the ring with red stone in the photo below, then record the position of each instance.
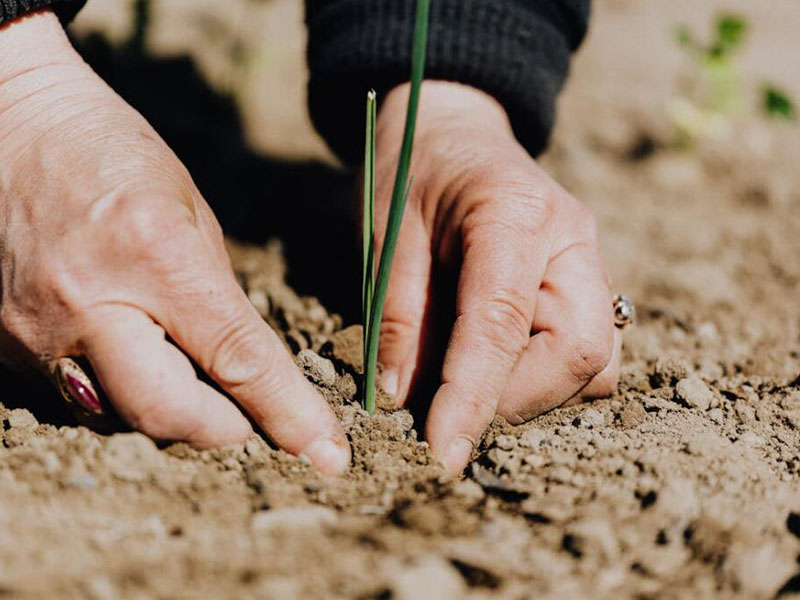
(76, 387)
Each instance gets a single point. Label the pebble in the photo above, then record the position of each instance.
(715, 414)
(505, 442)
(592, 418)
(695, 393)
(19, 417)
(532, 438)
(319, 369)
(633, 414)
(432, 578)
(534, 460)
(281, 519)
(132, 457)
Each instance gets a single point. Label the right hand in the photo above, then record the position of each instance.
(106, 246)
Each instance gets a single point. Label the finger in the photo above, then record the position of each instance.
(211, 319)
(605, 384)
(574, 339)
(153, 385)
(503, 265)
(407, 312)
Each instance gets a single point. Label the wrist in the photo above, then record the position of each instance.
(31, 42)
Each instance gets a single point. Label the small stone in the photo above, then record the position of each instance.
(695, 393)
(132, 457)
(432, 578)
(283, 519)
(534, 460)
(318, 369)
(715, 414)
(505, 442)
(592, 418)
(16, 436)
(669, 370)
(632, 415)
(19, 417)
(532, 438)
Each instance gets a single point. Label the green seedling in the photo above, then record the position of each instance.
(714, 92)
(374, 288)
(778, 104)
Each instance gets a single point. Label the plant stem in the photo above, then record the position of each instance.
(368, 220)
(399, 199)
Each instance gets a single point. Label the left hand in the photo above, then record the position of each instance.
(533, 325)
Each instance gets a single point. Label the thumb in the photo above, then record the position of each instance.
(407, 308)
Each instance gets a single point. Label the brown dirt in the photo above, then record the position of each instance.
(684, 485)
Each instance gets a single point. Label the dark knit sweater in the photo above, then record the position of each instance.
(516, 50)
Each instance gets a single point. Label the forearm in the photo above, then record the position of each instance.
(515, 50)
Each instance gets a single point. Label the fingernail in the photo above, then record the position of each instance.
(457, 455)
(327, 456)
(389, 381)
(84, 395)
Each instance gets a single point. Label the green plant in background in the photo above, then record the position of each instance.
(374, 289)
(715, 93)
(778, 104)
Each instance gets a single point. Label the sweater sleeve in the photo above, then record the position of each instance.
(516, 50)
(13, 9)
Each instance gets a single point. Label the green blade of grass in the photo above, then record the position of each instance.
(399, 199)
(368, 220)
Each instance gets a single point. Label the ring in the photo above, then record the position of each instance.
(624, 311)
(76, 386)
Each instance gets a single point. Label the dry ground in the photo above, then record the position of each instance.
(684, 485)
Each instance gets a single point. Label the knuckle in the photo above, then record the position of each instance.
(148, 226)
(505, 321)
(396, 330)
(241, 357)
(587, 357)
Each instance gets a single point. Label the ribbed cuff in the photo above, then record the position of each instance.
(516, 50)
(13, 9)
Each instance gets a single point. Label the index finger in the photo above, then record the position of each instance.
(210, 318)
(504, 261)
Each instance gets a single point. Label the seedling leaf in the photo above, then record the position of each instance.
(399, 198)
(778, 104)
(368, 220)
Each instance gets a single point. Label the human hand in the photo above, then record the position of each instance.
(106, 246)
(533, 325)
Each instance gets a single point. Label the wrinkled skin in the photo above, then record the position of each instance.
(107, 246)
(533, 326)
(108, 251)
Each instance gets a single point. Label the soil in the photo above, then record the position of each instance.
(683, 485)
